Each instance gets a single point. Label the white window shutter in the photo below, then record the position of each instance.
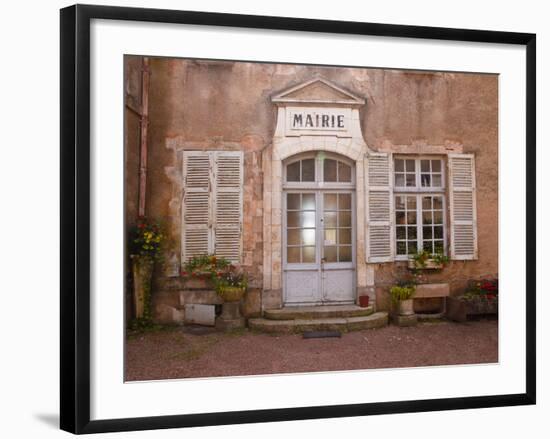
(228, 200)
(379, 206)
(462, 194)
(196, 225)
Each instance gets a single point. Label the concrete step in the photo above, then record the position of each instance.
(317, 312)
(343, 324)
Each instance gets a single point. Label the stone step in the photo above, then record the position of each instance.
(317, 312)
(343, 324)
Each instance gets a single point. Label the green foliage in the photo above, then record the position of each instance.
(422, 257)
(147, 239)
(402, 292)
(209, 265)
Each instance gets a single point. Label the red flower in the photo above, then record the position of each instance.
(184, 273)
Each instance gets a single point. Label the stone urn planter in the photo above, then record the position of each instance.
(406, 307)
(231, 317)
(142, 270)
(231, 294)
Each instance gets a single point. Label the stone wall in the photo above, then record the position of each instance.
(225, 105)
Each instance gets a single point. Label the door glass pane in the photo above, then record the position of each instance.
(293, 254)
(293, 219)
(330, 201)
(307, 219)
(344, 253)
(344, 201)
(308, 236)
(308, 201)
(331, 254)
(330, 237)
(344, 219)
(330, 219)
(344, 236)
(308, 254)
(329, 170)
(293, 237)
(308, 170)
(293, 201)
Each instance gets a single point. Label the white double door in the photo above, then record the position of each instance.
(319, 247)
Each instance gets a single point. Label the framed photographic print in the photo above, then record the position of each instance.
(274, 218)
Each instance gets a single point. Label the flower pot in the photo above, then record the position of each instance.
(231, 294)
(429, 264)
(406, 307)
(142, 269)
(364, 301)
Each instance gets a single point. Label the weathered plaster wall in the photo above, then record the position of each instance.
(213, 104)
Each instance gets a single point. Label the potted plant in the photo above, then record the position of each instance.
(481, 298)
(231, 284)
(146, 242)
(199, 271)
(402, 296)
(364, 301)
(424, 260)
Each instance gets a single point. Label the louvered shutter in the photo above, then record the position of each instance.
(379, 207)
(196, 239)
(228, 177)
(462, 194)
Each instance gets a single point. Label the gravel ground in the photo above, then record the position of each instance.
(174, 353)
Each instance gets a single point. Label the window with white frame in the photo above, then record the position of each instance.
(419, 205)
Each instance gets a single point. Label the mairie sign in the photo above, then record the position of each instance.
(329, 120)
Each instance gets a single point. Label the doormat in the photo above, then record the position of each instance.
(322, 334)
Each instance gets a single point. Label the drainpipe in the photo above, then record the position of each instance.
(144, 123)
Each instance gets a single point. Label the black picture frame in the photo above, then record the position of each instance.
(75, 217)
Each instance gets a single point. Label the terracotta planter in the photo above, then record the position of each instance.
(430, 264)
(406, 307)
(364, 301)
(142, 269)
(231, 294)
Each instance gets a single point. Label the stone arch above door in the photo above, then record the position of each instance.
(316, 115)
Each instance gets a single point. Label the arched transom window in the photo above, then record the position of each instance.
(319, 169)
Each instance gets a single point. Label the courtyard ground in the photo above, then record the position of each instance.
(175, 353)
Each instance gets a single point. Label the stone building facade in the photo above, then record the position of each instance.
(317, 180)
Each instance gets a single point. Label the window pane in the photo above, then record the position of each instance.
(330, 219)
(344, 253)
(438, 247)
(344, 236)
(427, 232)
(409, 165)
(307, 219)
(400, 232)
(436, 165)
(428, 246)
(330, 254)
(329, 169)
(293, 201)
(436, 180)
(399, 165)
(344, 201)
(308, 201)
(344, 219)
(308, 170)
(400, 217)
(401, 248)
(399, 180)
(330, 237)
(411, 232)
(411, 217)
(411, 180)
(344, 172)
(426, 217)
(293, 237)
(438, 203)
(293, 254)
(308, 236)
(293, 171)
(308, 254)
(411, 203)
(438, 232)
(438, 217)
(330, 201)
(293, 219)
(424, 166)
(400, 203)
(426, 180)
(426, 203)
(412, 249)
